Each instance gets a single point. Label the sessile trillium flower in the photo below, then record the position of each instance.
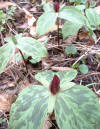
(55, 85)
(56, 6)
(74, 106)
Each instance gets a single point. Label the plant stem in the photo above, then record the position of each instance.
(23, 60)
(58, 37)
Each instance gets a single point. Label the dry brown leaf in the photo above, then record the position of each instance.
(99, 100)
(6, 101)
(5, 4)
(97, 9)
(31, 22)
(71, 39)
(42, 38)
(33, 31)
(24, 85)
(54, 28)
(84, 35)
(46, 124)
(60, 68)
(30, 18)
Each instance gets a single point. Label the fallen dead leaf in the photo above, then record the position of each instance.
(24, 85)
(60, 68)
(30, 18)
(31, 22)
(46, 124)
(97, 9)
(6, 100)
(71, 39)
(5, 4)
(33, 31)
(54, 28)
(84, 36)
(42, 38)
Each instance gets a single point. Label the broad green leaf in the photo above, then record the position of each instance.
(83, 69)
(64, 86)
(45, 22)
(6, 52)
(72, 14)
(71, 0)
(70, 50)
(34, 61)
(48, 7)
(66, 76)
(51, 103)
(30, 109)
(77, 108)
(29, 46)
(80, 7)
(45, 77)
(93, 17)
(70, 28)
(32, 47)
(82, 1)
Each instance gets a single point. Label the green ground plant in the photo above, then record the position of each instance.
(74, 106)
(27, 45)
(5, 16)
(55, 11)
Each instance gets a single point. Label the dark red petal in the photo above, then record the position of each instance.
(56, 6)
(55, 85)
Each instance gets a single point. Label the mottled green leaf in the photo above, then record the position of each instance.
(80, 7)
(77, 108)
(30, 109)
(93, 17)
(45, 78)
(67, 85)
(67, 76)
(48, 7)
(32, 47)
(45, 22)
(29, 46)
(6, 52)
(72, 14)
(70, 28)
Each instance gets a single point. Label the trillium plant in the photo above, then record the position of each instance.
(74, 106)
(26, 45)
(74, 17)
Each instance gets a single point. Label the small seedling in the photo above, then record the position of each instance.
(83, 68)
(70, 50)
(74, 106)
(4, 17)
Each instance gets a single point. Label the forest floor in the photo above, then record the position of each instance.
(14, 79)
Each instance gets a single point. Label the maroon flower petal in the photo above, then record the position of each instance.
(56, 6)
(55, 85)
